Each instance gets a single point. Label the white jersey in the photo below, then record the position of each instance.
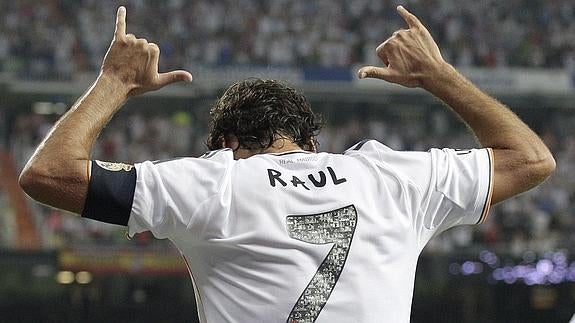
(309, 237)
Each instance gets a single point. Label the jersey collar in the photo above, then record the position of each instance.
(283, 153)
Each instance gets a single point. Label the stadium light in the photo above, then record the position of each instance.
(83, 277)
(65, 277)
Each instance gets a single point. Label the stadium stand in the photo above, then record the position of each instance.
(282, 33)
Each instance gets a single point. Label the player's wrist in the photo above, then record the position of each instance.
(441, 78)
(113, 85)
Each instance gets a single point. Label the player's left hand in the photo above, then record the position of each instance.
(411, 56)
(134, 62)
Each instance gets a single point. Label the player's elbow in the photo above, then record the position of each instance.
(547, 166)
(540, 168)
(62, 186)
(31, 180)
(517, 172)
(38, 179)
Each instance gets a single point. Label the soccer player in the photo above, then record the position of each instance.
(271, 230)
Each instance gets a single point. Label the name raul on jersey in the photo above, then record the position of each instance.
(319, 179)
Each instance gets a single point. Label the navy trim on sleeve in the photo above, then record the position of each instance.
(487, 204)
(358, 145)
(210, 154)
(156, 162)
(110, 192)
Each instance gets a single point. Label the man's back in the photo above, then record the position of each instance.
(300, 236)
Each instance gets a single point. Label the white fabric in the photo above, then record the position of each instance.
(231, 226)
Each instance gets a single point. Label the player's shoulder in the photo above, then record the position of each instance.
(209, 162)
(385, 157)
(368, 147)
(220, 155)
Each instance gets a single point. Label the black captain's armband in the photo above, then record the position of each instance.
(110, 192)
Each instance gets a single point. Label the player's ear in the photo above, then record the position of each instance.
(230, 141)
(312, 145)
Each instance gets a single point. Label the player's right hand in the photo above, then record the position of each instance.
(134, 61)
(411, 56)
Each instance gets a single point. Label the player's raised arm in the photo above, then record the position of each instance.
(412, 58)
(57, 174)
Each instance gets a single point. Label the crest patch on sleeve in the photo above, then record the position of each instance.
(114, 167)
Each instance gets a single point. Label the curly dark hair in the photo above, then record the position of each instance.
(257, 112)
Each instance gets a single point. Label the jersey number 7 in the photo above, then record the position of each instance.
(335, 227)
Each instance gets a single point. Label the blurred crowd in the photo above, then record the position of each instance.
(539, 220)
(64, 38)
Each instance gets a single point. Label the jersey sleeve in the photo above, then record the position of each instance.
(460, 188)
(444, 187)
(168, 193)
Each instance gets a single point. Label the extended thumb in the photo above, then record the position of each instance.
(175, 76)
(373, 72)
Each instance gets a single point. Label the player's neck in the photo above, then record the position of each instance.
(280, 145)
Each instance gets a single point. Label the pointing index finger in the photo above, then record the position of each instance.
(409, 18)
(121, 22)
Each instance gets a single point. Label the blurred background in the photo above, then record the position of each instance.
(54, 267)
